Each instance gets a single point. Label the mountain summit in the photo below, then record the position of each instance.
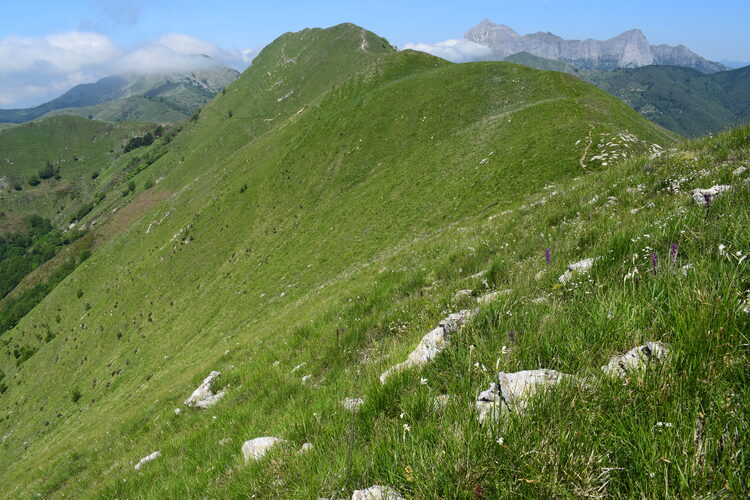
(630, 49)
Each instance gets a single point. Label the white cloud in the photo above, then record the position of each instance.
(55, 53)
(179, 52)
(37, 69)
(460, 50)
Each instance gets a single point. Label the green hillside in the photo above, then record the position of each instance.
(64, 157)
(317, 219)
(683, 100)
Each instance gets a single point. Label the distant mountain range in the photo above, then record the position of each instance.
(630, 49)
(680, 99)
(163, 98)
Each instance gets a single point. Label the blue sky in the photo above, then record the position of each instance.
(32, 31)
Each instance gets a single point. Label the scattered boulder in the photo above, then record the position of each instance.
(377, 492)
(461, 294)
(352, 404)
(488, 404)
(740, 170)
(147, 459)
(516, 388)
(431, 344)
(513, 391)
(699, 195)
(224, 441)
(255, 449)
(580, 267)
(203, 396)
(491, 297)
(177, 411)
(306, 447)
(635, 359)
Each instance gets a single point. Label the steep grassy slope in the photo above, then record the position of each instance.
(78, 151)
(74, 149)
(683, 100)
(324, 210)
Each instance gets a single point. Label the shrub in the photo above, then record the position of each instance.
(131, 185)
(75, 395)
(94, 174)
(148, 185)
(48, 171)
(34, 180)
(82, 212)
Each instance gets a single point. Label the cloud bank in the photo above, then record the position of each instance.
(37, 69)
(457, 50)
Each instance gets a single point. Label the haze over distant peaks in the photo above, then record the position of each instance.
(169, 96)
(630, 49)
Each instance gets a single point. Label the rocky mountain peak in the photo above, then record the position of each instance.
(630, 49)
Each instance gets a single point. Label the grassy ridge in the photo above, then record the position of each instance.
(355, 188)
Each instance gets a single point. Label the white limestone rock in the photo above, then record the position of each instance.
(489, 404)
(306, 447)
(492, 296)
(635, 359)
(516, 388)
(255, 449)
(461, 294)
(580, 267)
(431, 344)
(739, 170)
(513, 391)
(147, 459)
(377, 492)
(203, 396)
(699, 195)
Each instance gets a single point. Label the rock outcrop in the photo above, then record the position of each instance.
(377, 492)
(635, 359)
(513, 391)
(431, 344)
(630, 49)
(492, 296)
(147, 459)
(255, 449)
(580, 267)
(203, 396)
(704, 196)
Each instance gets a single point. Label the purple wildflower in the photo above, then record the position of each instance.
(548, 255)
(654, 262)
(512, 335)
(673, 253)
(707, 197)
